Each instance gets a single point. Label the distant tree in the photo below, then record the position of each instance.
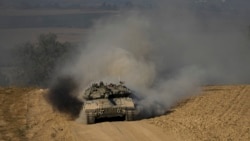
(37, 61)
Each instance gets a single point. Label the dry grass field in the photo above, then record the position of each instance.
(218, 113)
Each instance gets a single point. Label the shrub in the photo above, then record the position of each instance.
(37, 61)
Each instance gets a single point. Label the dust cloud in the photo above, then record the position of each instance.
(163, 54)
(62, 96)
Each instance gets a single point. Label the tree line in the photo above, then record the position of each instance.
(35, 63)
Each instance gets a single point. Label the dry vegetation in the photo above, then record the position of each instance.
(219, 113)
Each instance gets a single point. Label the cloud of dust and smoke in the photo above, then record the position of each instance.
(164, 54)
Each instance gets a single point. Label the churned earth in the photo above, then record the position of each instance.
(218, 113)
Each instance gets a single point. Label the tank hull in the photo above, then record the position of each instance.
(105, 101)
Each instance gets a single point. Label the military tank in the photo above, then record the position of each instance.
(108, 100)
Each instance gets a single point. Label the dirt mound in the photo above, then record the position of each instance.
(25, 115)
(219, 113)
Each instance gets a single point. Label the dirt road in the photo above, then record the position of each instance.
(218, 113)
(56, 126)
(122, 131)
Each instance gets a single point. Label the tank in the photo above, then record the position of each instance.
(108, 100)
